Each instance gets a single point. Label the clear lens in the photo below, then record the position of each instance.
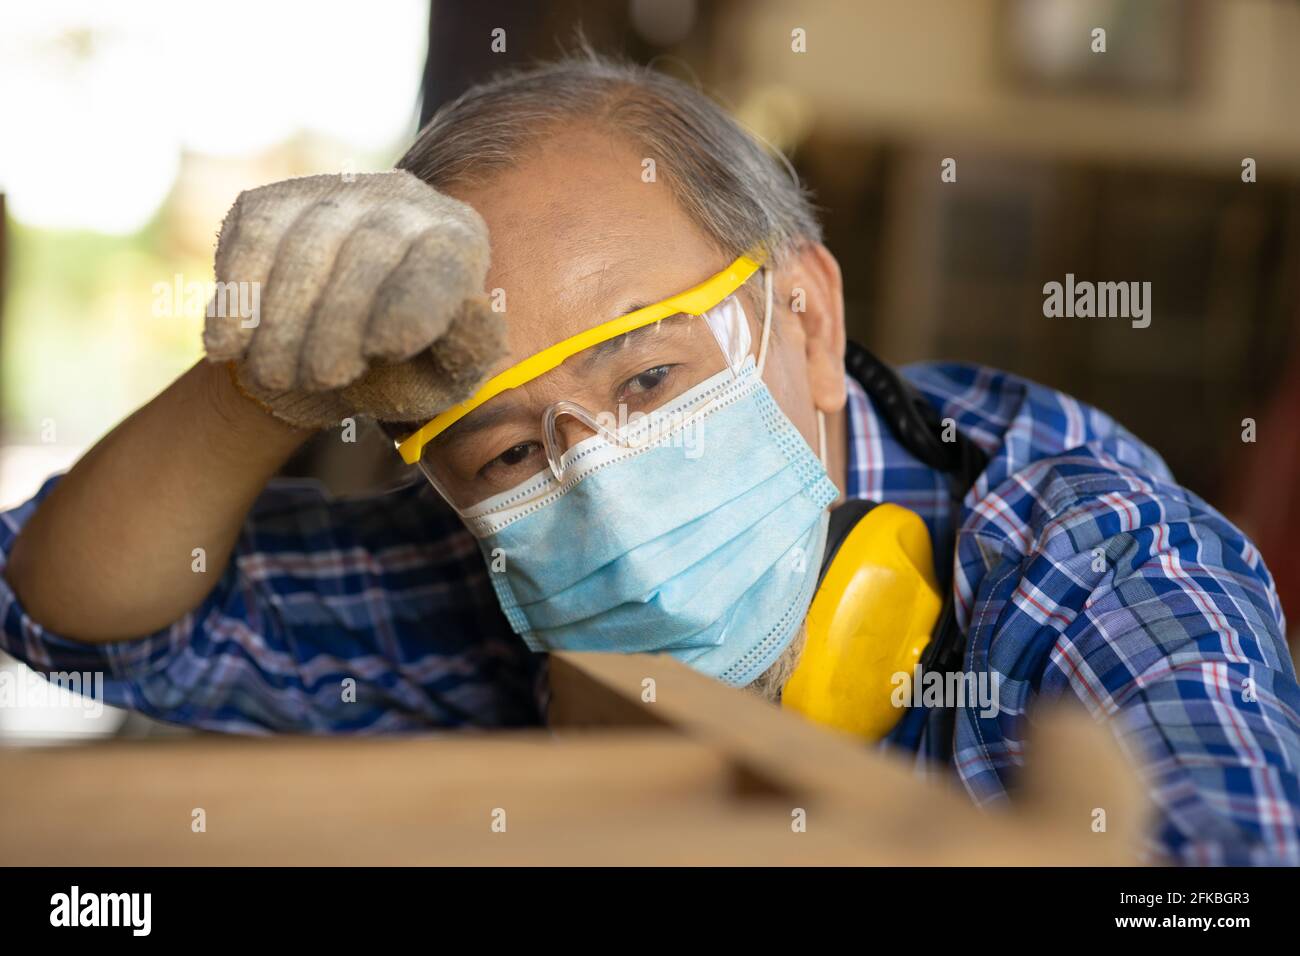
(611, 390)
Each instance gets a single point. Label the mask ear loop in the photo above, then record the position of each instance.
(767, 319)
(762, 360)
(821, 438)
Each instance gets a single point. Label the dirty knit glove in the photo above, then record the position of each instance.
(370, 299)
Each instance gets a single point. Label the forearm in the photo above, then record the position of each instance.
(110, 554)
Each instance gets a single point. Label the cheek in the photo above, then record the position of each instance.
(786, 376)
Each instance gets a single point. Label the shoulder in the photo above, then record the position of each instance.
(1064, 479)
(398, 540)
(1018, 421)
(408, 510)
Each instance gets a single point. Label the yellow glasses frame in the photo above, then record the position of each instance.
(694, 301)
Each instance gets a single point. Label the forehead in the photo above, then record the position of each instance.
(579, 236)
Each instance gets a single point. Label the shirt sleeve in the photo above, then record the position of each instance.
(1112, 585)
(332, 616)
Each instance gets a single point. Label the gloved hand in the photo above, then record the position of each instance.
(371, 299)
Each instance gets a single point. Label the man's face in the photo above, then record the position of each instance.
(579, 238)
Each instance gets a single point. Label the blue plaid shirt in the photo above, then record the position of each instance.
(1178, 639)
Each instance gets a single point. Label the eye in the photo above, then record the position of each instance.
(502, 467)
(515, 455)
(645, 382)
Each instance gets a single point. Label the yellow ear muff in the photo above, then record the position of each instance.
(873, 615)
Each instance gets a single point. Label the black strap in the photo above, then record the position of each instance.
(915, 422)
(919, 429)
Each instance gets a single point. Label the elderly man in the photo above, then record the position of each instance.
(635, 423)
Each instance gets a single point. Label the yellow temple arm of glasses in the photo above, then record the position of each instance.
(694, 301)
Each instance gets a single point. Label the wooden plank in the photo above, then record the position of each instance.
(701, 774)
(295, 800)
(792, 754)
(873, 801)
(608, 798)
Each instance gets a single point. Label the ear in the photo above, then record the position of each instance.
(811, 290)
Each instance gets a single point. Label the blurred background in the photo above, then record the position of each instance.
(126, 130)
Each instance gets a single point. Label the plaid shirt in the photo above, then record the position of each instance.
(1178, 638)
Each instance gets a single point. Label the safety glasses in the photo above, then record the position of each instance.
(615, 382)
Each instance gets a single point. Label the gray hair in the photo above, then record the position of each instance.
(744, 195)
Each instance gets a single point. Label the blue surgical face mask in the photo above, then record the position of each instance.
(707, 549)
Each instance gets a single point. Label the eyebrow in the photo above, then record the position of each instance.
(493, 413)
(598, 353)
(485, 416)
(496, 411)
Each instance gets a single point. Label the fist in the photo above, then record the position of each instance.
(369, 295)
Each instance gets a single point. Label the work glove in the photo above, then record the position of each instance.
(370, 299)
